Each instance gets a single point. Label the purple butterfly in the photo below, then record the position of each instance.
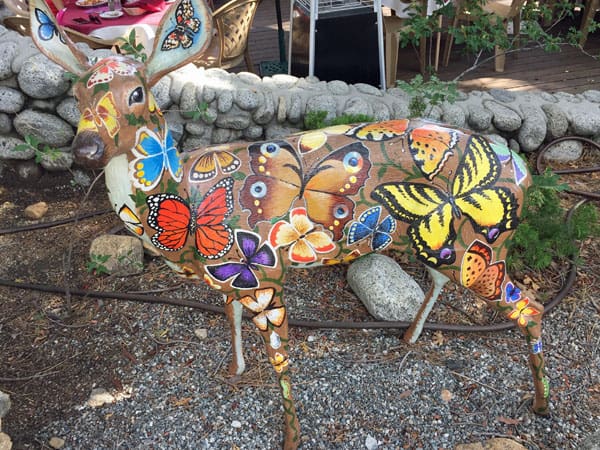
(513, 293)
(254, 256)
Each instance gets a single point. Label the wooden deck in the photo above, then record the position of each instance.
(569, 70)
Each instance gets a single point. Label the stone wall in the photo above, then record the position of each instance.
(214, 106)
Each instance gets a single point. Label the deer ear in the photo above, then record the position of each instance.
(51, 40)
(184, 32)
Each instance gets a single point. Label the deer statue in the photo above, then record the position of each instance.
(237, 216)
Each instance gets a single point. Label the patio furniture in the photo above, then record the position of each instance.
(22, 25)
(18, 7)
(504, 10)
(229, 45)
(337, 40)
(397, 23)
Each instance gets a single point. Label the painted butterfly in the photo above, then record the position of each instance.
(381, 131)
(205, 167)
(505, 155)
(255, 255)
(153, 154)
(300, 235)
(430, 147)
(47, 28)
(512, 293)
(106, 70)
(105, 113)
(131, 220)
(262, 306)
(478, 273)
(186, 28)
(279, 178)
(430, 211)
(175, 219)
(368, 225)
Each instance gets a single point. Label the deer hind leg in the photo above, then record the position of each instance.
(270, 317)
(233, 311)
(527, 314)
(414, 331)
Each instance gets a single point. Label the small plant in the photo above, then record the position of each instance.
(314, 120)
(544, 234)
(96, 264)
(128, 46)
(427, 94)
(41, 151)
(201, 112)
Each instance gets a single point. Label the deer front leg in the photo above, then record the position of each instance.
(233, 311)
(270, 317)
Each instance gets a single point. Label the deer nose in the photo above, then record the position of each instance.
(88, 149)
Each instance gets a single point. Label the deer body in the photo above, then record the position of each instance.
(237, 216)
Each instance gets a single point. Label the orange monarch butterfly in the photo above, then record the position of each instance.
(175, 219)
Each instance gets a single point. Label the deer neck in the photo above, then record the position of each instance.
(116, 175)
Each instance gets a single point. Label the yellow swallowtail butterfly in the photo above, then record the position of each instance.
(431, 211)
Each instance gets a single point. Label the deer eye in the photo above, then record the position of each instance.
(137, 96)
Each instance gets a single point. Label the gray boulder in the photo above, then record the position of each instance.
(125, 254)
(386, 290)
(41, 78)
(11, 100)
(47, 128)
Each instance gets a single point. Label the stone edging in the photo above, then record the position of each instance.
(35, 100)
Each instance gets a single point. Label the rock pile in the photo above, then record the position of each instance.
(215, 106)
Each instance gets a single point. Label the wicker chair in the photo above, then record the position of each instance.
(21, 25)
(229, 46)
(18, 7)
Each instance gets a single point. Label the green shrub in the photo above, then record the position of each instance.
(544, 233)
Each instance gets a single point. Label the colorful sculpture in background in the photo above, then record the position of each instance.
(239, 215)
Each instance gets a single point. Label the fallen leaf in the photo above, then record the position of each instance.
(438, 338)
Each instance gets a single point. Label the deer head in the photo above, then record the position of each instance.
(114, 94)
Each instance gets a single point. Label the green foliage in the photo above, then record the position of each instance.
(128, 46)
(41, 150)
(544, 234)
(96, 264)
(313, 120)
(483, 31)
(428, 93)
(201, 112)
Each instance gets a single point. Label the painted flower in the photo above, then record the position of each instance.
(300, 235)
(154, 152)
(523, 312)
(279, 362)
(262, 306)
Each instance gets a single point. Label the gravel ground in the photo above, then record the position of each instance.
(351, 388)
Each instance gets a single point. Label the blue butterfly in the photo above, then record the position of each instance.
(154, 153)
(513, 293)
(47, 28)
(367, 225)
(254, 256)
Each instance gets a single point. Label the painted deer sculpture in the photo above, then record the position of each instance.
(237, 216)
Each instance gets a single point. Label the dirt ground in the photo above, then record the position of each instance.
(49, 342)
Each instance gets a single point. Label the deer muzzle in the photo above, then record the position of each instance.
(88, 149)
